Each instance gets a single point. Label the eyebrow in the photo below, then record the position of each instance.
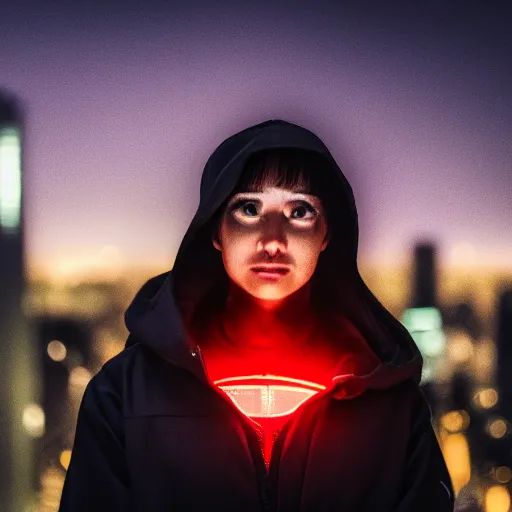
(256, 195)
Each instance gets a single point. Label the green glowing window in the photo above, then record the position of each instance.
(426, 328)
(10, 179)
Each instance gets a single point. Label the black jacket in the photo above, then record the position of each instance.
(153, 434)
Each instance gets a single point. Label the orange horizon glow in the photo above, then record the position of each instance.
(109, 262)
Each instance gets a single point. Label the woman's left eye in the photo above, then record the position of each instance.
(305, 211)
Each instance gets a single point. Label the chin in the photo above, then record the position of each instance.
(269, 292)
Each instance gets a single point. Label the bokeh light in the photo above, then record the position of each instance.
(497, 428)
(455, 421)
(79, 377)
(460, 348)
(33, 420)
(65, 458)
(486, 398)
(497, 499)
(56, 350)
(456, 453)
(503, 474)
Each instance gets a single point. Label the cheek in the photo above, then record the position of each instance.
(235, 234)
(311, 237)
(236, 247)
(306, 245)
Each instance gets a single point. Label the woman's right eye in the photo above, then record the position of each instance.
(249, 209)
(245, 208)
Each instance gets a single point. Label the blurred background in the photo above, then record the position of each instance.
(108, 114)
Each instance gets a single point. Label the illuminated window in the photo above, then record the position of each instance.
(426, 329)
(422, 319)
(10, 179)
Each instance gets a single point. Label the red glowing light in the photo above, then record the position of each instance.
(268, 396)
(269, 400)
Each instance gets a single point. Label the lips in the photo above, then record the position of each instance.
(271, 270)
(270, 273)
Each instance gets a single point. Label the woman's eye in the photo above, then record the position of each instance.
(303, 212)
(249, 209)
(244, 208)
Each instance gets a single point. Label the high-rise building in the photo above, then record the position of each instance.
(425, 276)
(504, 352)
(423, 318)
(21, 416)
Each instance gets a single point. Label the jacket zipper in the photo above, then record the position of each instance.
(263, 470)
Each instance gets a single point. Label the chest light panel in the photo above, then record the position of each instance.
(268, 399)
(268, 396)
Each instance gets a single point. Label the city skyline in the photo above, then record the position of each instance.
(123, 107)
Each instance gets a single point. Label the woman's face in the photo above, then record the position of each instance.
(276, 227)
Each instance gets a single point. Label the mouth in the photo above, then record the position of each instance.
(270, 272)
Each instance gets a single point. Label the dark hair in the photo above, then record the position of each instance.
(291, 168)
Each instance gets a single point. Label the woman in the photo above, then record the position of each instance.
(261, 374)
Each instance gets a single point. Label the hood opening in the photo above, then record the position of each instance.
(198, 281)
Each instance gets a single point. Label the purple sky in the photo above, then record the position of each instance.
(124, 105)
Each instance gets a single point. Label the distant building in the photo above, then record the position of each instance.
(64, 346)
(21, 416)
(504, 352)
(425, 276)
(423, 318)
(463, 316)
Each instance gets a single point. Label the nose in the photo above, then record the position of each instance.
(273, 236)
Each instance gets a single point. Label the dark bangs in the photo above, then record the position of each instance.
(295, 169)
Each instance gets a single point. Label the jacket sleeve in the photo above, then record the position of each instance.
(427, 485)
(97, 477)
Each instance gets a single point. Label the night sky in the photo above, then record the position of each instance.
(123, 106)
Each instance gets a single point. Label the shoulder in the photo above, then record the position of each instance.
(128, 359)
(106, 386)
(114, 378)
(116, 367)
(140, 382)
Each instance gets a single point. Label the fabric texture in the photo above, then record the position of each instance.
(155, 434)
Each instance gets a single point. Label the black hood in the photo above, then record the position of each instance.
(159, 313)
